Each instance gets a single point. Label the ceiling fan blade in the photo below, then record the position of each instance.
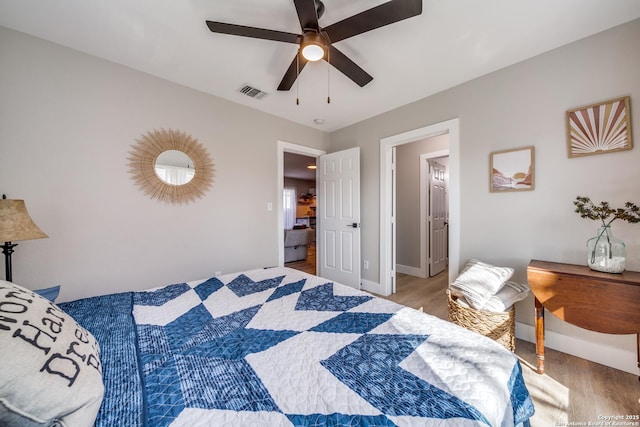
(379, 16)
(348, 67)
(307, 14)
(292, 72)
(257, 33)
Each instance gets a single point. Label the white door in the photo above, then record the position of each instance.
(339, 217)
(438, 231)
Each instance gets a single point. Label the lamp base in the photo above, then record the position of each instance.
(7, 250)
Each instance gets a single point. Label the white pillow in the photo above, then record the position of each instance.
(50, 370)
(462, 302)
(479, 281)
(509, 294)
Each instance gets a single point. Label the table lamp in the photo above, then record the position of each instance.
(15, 224)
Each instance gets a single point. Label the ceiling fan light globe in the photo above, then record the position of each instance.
(313, 52)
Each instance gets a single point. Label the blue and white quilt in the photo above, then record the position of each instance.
(278, 347)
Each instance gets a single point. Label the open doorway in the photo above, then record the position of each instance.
(299, 210)
(301, 156)
(422, 206)
(388, 209)
(338, 251)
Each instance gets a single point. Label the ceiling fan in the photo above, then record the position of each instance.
(317, 42)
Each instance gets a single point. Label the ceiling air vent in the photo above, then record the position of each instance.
(252, 92)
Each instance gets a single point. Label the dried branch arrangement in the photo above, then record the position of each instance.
(587, 209)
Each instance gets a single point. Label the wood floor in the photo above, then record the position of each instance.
(307, 265)
(573, 391)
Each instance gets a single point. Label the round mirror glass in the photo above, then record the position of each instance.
(174, 167)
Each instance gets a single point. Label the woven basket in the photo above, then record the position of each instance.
(497, 326)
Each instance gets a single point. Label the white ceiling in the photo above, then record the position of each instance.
(295, 166)
(453, 41)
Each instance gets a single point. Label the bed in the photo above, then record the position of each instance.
(279, 347)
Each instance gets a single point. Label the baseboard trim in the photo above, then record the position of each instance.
(370, 286)
(411, 271)
(613, 357)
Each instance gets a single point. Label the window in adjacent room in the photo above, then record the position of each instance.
(289, 203)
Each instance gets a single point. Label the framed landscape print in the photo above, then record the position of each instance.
(512, 170)
(599, 128)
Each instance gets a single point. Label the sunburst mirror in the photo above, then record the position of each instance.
(171, 166)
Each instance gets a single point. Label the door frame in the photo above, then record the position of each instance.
(387, 243)
(424, 212)
(288, 147)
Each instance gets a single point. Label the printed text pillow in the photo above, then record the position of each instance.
(50, 371)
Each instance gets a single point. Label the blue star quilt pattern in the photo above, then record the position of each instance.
(278, 347)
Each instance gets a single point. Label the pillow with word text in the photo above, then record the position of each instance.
(50, 371)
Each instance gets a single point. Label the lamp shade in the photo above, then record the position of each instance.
(15, 222)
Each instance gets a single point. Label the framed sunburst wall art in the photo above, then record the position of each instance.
(512, 170)
(599, 128)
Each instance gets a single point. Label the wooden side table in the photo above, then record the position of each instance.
(601, 302)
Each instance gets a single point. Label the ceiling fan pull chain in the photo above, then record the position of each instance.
(297, 78)
(328, 74)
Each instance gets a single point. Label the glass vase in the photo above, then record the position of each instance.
(605, 252)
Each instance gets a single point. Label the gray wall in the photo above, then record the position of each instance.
(67, 122)
(518, 106)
